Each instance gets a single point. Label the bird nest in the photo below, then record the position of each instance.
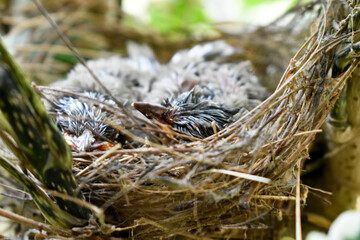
(235, 181)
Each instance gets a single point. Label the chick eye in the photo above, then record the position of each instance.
(135, 82)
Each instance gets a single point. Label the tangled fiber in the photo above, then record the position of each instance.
(236, 183)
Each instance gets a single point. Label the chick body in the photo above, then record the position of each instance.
(216, 92)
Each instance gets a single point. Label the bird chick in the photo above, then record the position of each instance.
(194, 112)
(83, 123)
(127, 78)
(203, 93)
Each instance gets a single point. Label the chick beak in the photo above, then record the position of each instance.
(151, 111)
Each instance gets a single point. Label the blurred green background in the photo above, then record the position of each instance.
(170, 16)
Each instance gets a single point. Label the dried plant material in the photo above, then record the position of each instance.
(234, 181)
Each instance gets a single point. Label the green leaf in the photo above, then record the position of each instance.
(40, 143)
(65, 58)
(252, 3)
(176, 15)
